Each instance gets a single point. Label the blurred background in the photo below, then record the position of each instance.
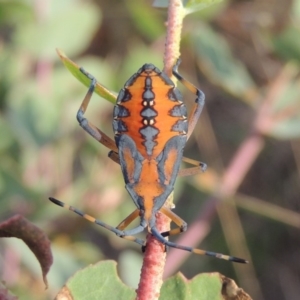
(244, 55)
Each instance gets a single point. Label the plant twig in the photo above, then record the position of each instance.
(154, 261)
(174, 26)
(155, 254)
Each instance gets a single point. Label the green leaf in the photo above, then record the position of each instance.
(195, 5)
(174, 288)
(285, 112)
(160, 3)
(190, 5)
(206, 286)
(75, 70)
(287, 43)
(218, 64)
(70, 26)
(203, 286)
(99, 281)
(289, 129)
(6, 135)
(147, 21)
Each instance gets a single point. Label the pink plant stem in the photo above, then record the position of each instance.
(240, 165)
(174, 27)
(232, 178)
(155, 254)
(153, 263)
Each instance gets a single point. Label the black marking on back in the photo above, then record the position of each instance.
(149, 134)
(180, 126)
(119, 126)
(131, 80)
(175, 95)
(120, 112)
(177, 142)
(123, 96)
(148, 94)
(148, 112)
(148, 68)
(178, 111)
(126, 142)
(166, 79)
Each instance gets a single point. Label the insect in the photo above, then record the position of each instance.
(151, 128)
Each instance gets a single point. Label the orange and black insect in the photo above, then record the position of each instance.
(151, 127)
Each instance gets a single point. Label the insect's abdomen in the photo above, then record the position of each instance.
(149, 110)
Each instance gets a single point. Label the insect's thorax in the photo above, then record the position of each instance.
(149, 110)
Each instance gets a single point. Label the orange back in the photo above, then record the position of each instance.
(150, 125)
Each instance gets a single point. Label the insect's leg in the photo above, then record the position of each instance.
(128, 220)
(199, 102)
(95, 132)
(114, 156)
(115, 230)
(182, 226)
(192, 120)
(124, 224)
(200, 167)
(167, 243)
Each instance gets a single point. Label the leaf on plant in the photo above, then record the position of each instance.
(195, 5)
(75, 70)
(218, 64)
(99, 281)
(160, 3)
(281, 119)
(69, 25)
(146, 20)
(206, 286)
(18, 227)
(203, 286)
(285, 114)
(287, 43)
(190, 5)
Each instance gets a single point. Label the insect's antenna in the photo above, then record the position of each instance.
(159, 237)
(118, 232)
(220, 256)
